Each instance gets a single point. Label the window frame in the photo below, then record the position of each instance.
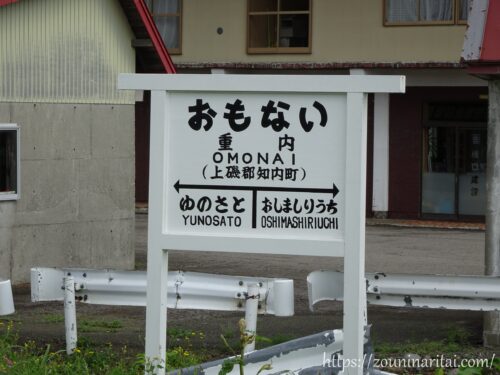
(454, 19)
(278, 13)
(178, 14)
(9, 196)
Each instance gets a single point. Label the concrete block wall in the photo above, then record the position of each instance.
(77, 189)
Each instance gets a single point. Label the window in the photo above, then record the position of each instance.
(279, 26)
(168, 19)
(426, 12)
(462, 14)
(9, 161)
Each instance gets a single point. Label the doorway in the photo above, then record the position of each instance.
(454, 162)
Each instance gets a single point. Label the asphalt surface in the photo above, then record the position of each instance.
(388, 249)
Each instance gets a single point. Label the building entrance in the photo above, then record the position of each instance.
(454, 161)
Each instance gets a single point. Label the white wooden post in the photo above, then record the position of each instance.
(251, 310)
(70, 314)
(156, 296)
(354, 258)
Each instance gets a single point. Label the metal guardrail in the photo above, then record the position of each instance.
(479, 293)
(6, 298)
(186, 290)
(318, 354)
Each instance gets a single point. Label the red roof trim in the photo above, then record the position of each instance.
(490, 50)
(6, 2)
(155, 36)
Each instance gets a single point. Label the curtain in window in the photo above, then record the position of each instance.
(169, 30)
(401, 10)
(168, 25)
(464, 9)
(436, 10)
(165, 6)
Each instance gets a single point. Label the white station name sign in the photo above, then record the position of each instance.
(256, 165)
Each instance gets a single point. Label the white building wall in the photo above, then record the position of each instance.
(64, 51)
(59, 62)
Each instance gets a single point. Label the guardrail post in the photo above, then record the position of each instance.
(251, 310)
(70, 314)
(6, 299)
(283, 302)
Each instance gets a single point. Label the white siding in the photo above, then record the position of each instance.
(64, 51)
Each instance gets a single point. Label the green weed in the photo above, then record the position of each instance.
(457, 339)
(91, 325)
(52, 318)
(30, 358)
(492, 368)
(238, 359)
(273, 340)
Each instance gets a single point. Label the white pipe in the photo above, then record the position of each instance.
(251, 310)
(70, 314)
(6, 298)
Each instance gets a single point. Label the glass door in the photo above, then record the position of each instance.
(439, 170)
(472, 172)
(454, 171)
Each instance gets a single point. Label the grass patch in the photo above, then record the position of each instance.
(91, 325)
(52, 318)
(10, 318)
(457, 340)
(23, 358)
(273, 340)
(450, 351)
(180, 357)
(421, 348)
(30, 358)
(175, 333)
(229, 332)
(493, 369)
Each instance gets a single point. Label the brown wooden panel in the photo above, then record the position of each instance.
(369, 157)
(142, 149)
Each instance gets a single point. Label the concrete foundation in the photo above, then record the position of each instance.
(77, 189)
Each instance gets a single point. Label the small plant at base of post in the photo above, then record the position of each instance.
(246, 338)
